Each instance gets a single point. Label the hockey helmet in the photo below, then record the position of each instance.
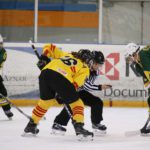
(98, 57)
(86, 55)
(131, 49)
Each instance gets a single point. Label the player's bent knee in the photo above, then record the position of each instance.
(47, 103)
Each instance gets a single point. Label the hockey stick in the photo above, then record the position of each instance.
(9, 102)
(138, 132)
(69, 113)
(35, 50)
(43, 60)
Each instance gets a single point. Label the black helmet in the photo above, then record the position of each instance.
(98, 57)
(86, 55)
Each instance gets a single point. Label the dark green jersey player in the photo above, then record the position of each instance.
(140, 59)
(3, 55)
(5, 106)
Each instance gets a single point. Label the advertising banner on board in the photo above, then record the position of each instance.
(20, 72)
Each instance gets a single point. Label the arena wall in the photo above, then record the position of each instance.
(49, 19)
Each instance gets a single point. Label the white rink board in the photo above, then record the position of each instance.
(21, 74)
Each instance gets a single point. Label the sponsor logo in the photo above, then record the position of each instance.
(126, 93)
(110, 69)
(62, 71)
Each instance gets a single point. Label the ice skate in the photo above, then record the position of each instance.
(99, 129)
(145, 132)
(30, 129)
(58, 129)
(82, 133)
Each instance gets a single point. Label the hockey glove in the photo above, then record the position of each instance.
(44, 60)
(104, 87)
(59, 99)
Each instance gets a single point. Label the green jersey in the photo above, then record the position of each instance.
(3, 56)
(143, 66)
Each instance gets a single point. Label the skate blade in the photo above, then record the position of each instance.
(99, 132)
(146, 135)
(24, 134)
(56, 132)
(132, 133)
(84, 138)
(10, 118)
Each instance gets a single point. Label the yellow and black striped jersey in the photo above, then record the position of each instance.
(66, 64)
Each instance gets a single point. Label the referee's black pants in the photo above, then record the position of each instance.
(88, 99)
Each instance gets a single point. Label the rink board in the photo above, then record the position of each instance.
(20, 74)
(107, 103)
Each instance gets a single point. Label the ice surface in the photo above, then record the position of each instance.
(118, 120)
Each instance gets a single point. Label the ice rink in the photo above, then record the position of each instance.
(118, 120)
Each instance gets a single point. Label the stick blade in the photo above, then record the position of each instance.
(132, 133)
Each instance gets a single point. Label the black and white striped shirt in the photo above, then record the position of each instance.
(89, 83)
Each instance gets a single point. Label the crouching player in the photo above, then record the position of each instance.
(140, 59)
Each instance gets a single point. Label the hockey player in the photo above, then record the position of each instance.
(88, 99)
(63, 75)
(5, 106)
(140, 59)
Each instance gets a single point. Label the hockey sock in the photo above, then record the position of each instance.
(3, 102)
(77, 108)
(41, 108)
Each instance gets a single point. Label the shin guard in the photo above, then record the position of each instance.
(77, 108)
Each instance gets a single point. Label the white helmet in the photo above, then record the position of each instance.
(1, 39)
(130, 49)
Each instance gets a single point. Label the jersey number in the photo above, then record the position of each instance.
(69, 61)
